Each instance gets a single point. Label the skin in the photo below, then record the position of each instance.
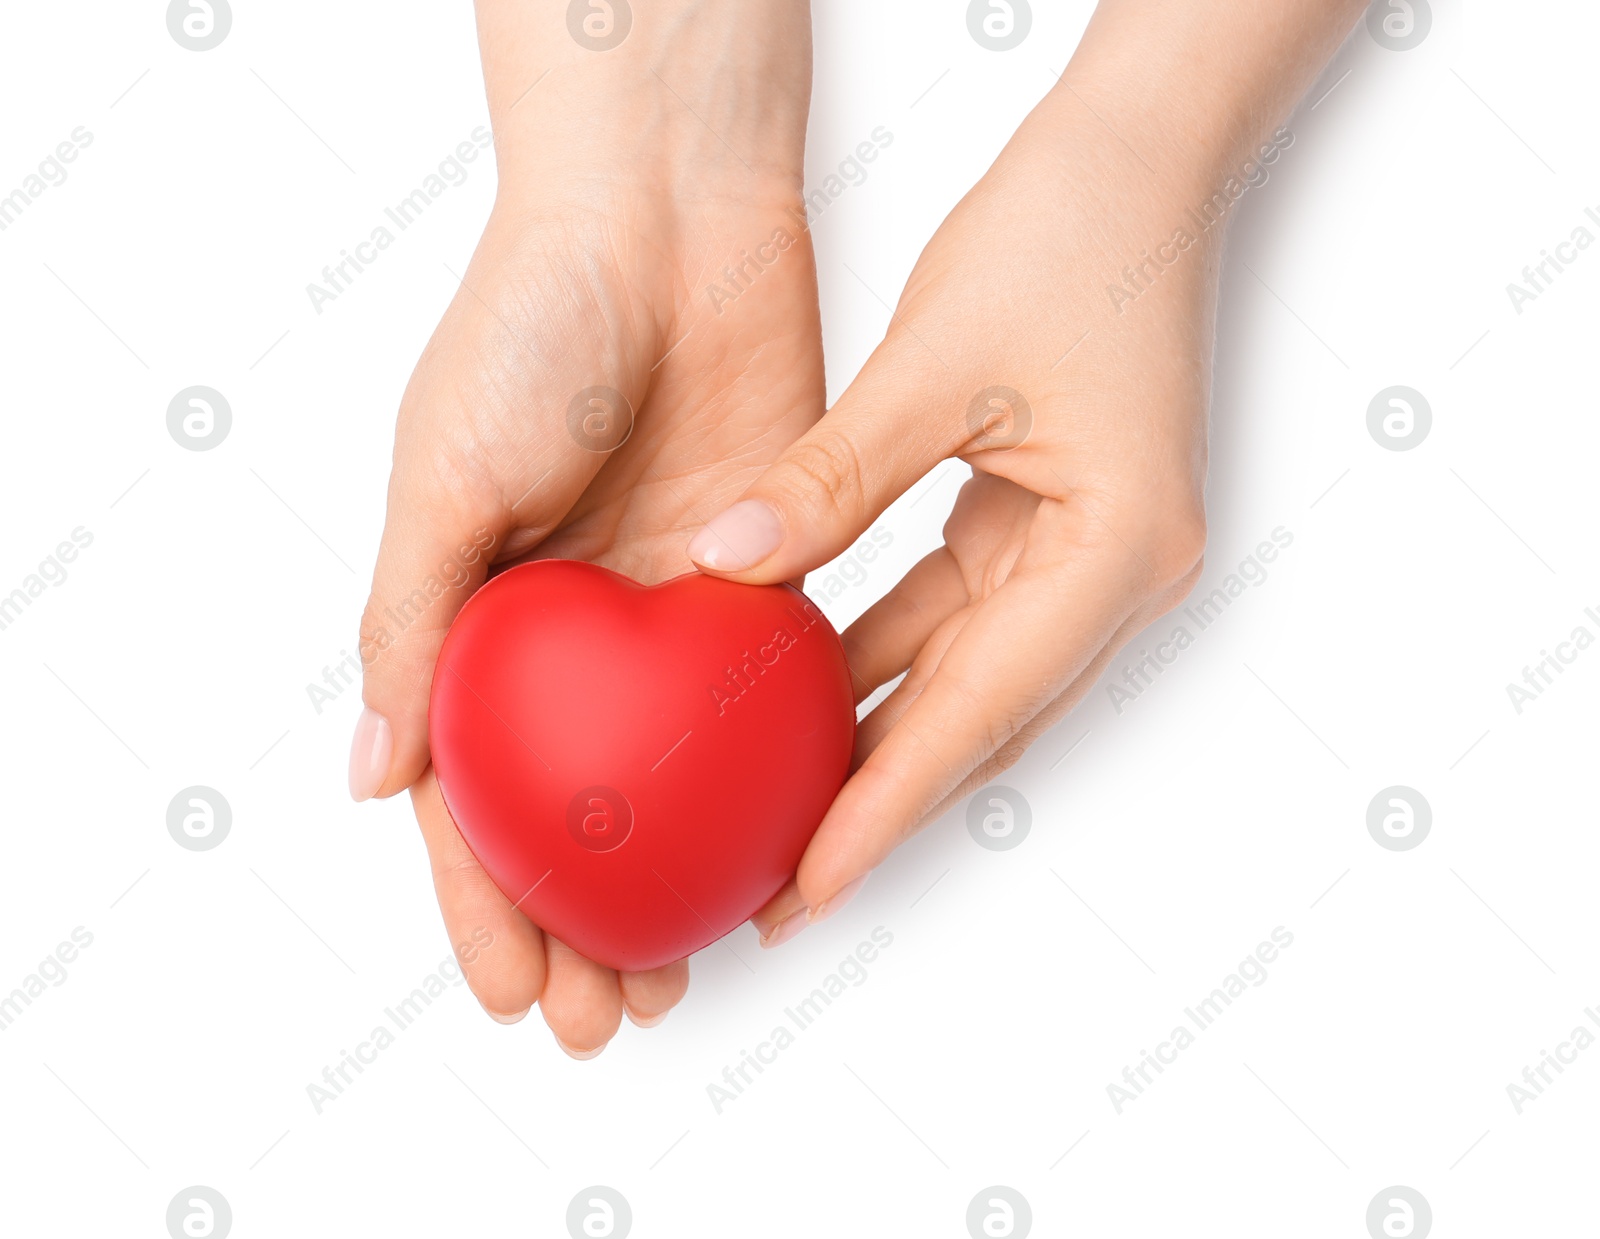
(593, 271)
(1061, 549)
(629, 180)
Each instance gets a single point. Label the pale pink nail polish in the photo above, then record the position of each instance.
(371, 750)
(739, 538)
(786, 929)
(500, 1017)
(582, 1056)
(845, 894)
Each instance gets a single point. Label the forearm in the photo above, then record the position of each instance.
(669, 87)
(1195, 87)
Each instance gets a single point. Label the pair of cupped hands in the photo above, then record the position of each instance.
(626, 189)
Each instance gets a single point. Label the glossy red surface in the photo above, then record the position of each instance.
(639, 769)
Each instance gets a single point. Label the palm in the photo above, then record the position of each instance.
(725, 393)
(546, 311)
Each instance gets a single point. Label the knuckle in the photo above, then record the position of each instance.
(1174, 538)
(828, 472)
(997, 763)
(995, 727)
(392, 653)
(372, 626)
(373, 641)
(1187, 533)
(1180, 589)
(1010, 753)
(464, 870)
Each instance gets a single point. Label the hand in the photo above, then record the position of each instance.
(1056, 334)
(641, 176)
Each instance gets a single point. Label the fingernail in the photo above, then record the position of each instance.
(370, 753)
(845, 894)
(582, 1056)
(641, 1021)
(740, 538)
(500, 1017)
(786, 929)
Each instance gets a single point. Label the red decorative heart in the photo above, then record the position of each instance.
(638, 769)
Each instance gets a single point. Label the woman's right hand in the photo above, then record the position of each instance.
(1056, 334)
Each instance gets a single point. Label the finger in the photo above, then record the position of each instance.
(502, 953)
(897, 632)
(781, 917)
(582, 1001)
(883, 642)
(1053, 713)
(885, 432)
(786, 913)
(1020, 650)
(434, 554)
(871, 730)
(648, 996)
(460, 496)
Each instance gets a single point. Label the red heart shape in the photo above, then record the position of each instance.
(638, 769)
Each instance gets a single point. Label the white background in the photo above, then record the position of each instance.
(1226, 801)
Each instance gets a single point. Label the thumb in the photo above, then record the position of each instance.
(436, 550)
(884, 433)
(442, 532)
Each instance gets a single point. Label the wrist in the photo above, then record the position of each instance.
(694, 95)
(1200, 90)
